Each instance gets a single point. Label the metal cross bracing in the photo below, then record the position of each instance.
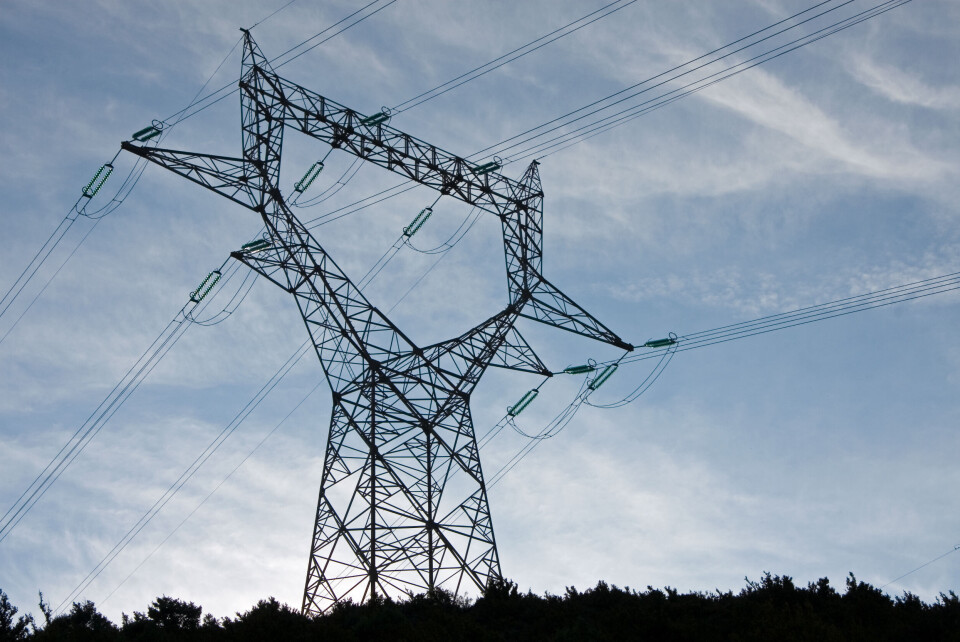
(403, 505)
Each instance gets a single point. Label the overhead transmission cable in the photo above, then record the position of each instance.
(421, 98)
(43, 288)
(402, 240)
(455, 237)
(849, 305)
(588, 386)
(185, 476)
(802, 316)
(107, 408)
(566, 415)
(211, 493)
(666, 356)
(460, 80)
(496, 63)
(190, 471)
(229, 89)
(626, 114)
(150, 358)
(176, 118)
(238, 297)
(135, 173)
(275, 12)
(924, 565)
(822, 33)
(600, 101)
(571, 138)
(606, 123)
(448, 86)
(332, 189)
(175, 487)
(161, 128)
(439, 251)
(565, 138)
(147, 362)
(42, 254)
(281, 63)
(538, 148)
(510, 56)
(80, 207)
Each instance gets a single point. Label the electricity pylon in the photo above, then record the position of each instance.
(391, 518)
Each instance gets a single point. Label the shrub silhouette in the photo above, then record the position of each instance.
(772, 607)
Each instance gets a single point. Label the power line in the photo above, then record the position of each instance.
(620, 118)
(665, 358)
(802, 316)
(783, 321)
(214, 490)
(539, 148)
(596, 127)
(107, 408)
(174, 488)
(334, 35)
(562, 117)
(924, 565)
(216, 96)
(564, 141)
(91, 427)
(629, 113)
(190, 471)
(509, 57)
(42, 254)
(111, 205)
(48, 282)
(275, 12)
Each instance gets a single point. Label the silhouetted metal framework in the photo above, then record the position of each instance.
(403, 504)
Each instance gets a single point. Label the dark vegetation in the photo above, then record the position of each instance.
(773, 608)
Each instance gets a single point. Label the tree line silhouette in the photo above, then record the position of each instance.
(773, 608)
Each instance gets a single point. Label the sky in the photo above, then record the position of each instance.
(811, 452)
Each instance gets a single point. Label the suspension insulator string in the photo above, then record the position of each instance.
(205, 286)
(602, 378)
(525, 401)
(90, 189)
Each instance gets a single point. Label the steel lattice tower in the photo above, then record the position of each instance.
(391, 518)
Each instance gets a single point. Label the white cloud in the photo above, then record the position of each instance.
(900, 86)
(766, 101)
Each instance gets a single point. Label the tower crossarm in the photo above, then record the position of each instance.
(548, 305)
(229, 177)
(380, 144)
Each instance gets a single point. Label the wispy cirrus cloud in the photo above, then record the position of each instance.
(899, 85)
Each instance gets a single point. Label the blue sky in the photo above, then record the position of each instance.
(812, 452)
